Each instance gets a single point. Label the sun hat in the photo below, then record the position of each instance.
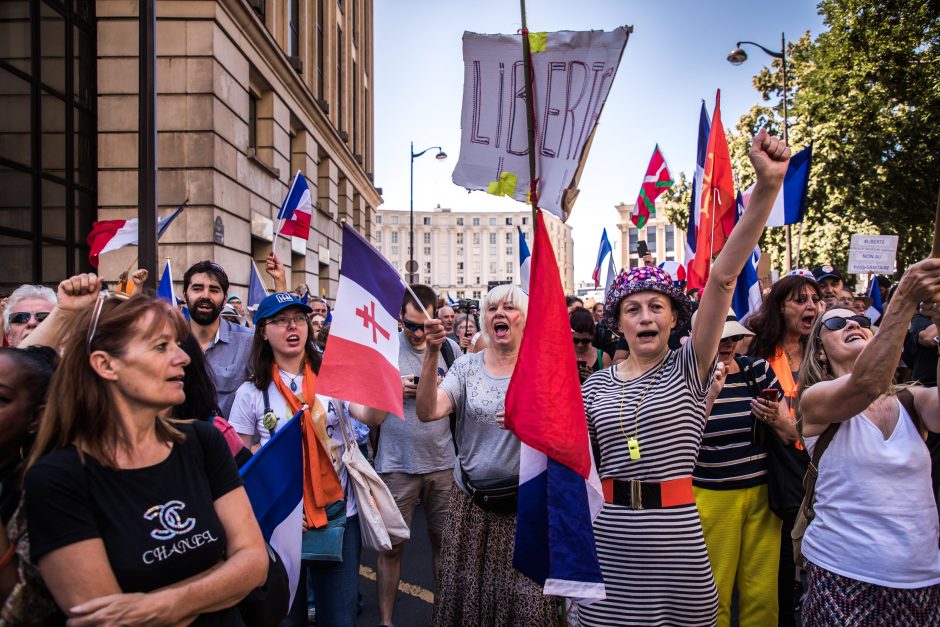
(277, 302)
(645, 279)
(732, 326)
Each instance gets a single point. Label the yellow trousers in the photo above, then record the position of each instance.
(742, 536)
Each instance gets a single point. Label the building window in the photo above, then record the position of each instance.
(651, 241)
(509, 250)
(394, 219)
(460, 294)
(525, 221)
(394, 237)
(378, 219)
(253, 99)
(460, 238)
(460, 266)
(378, 236)
(427, 267)
(459, 280)
(477, 294)
(427, 238)
(293, 29)
(477, 282)
(427, 221)
(339, 79)
(379, 248)
(427, 250)
(509, 267)
(476, 222)
(460, 252)
(634, 237)
(394, 250)
(492, 238)
(476, 251)
(492, 251)
(508, 221)
(476, 239)
(509, 237)
(321, 51)
(492, 221)
(459, 221)
(492, 267)
(670, 239)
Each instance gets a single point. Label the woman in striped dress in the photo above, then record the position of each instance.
(646, 416)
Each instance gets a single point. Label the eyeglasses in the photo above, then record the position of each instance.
(582, 340)
(283, 321)
(22, 317)
(93, 328)
(733, 338)
(838, 322)
(412, 326)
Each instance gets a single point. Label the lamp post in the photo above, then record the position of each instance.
(739, 56)
(412, 266)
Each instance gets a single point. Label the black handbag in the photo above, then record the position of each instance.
(267, 605)
(497, 497)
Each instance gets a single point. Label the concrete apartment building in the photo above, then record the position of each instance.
(666, 241)
(249, 92)
(461, 253)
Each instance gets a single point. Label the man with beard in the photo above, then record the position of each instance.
(830, 284)
(227, 346)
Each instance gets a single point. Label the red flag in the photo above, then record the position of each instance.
(718, 201)
(543, 404)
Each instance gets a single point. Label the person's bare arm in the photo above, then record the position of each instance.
(431, 402)
(770, 157)
(74, 295)
(840, 399)
(275, 270)
(926, 337)
(369, 416)
(220, 587)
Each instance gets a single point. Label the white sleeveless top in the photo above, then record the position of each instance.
(876, 520)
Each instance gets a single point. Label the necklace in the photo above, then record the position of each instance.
(633, 444)
(293, 379)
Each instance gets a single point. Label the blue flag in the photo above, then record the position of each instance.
(695, 204)
(274, 482)
(747, 296)
(165, 288)
(525, 261)
(876, 309)
(257, 292)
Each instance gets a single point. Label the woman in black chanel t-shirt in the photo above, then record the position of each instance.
(134, 518)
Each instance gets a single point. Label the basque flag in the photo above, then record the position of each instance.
(274, 481)
(790, 204)
(695, 204)
(165, 287)
(559, 489)
(876, 309)
(296, 210)
(110, 235)
(747, 296)
(603, 250)
(525, 261)
(360, 363)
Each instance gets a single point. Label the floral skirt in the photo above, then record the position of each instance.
(835, 600)
(477, 584)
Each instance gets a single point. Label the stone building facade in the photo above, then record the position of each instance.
(249, 92)
(461, 253)
(666, 241)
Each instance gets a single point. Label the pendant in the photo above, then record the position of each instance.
(634, 445)
(293, 386)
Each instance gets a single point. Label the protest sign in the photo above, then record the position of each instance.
(873, 254)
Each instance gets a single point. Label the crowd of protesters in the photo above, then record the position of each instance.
(125, 423)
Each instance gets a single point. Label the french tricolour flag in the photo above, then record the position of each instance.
(110, 235)
(296, 209)
(790, 204)
(559, 490)
(274, 482)
(747, 297)
(876, 309)
(165, 286)
(525, 261)
(603, 250)
(695, 204)
(360, 363)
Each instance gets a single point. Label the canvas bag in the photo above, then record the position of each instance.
(380, 520)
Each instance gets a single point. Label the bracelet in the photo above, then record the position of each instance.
(8, 556)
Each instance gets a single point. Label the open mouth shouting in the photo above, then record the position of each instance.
(293, 340)
(500, 329)
(806, 322)
(647, 336)
(853, 336)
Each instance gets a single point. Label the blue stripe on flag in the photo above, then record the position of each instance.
(695, 204)
(796, 186)
(370, 270)
(274, 477)
(525, 261)
(293, 198)
(165, 287)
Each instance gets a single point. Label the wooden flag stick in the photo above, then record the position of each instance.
(936, 231)
(530, 113)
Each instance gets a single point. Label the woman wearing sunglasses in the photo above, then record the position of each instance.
(135, 518)
(590, 359)
(871, 550)
(730, 481)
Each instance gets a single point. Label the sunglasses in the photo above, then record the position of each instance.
(733, 338)
(93, 328)
(22, 317)
(582, 340)
(412, 326)
(838, 322)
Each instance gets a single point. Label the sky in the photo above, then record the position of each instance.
(675, 58)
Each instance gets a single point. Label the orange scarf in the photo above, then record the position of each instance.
(321, 483)
(781, 366)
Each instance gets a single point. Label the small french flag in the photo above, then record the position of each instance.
(525, 261)
(297, 208)
(110, 235)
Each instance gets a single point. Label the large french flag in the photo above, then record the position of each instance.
(747, 297)
(559, 489)
(297, 208)
(360, 363)
(274, 482)
(110, 235)
(790, 204)
(695, 204)
(525, 261)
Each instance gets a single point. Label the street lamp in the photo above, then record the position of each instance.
(412, 266)
(739, 56)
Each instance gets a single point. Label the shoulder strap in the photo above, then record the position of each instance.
(907, 400)
(447, 352)
(267, 407)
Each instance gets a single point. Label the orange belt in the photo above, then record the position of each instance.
(648, 494)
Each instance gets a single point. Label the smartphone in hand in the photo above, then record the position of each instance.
(771, 394)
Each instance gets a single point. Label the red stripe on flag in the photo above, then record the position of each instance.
(297, 226)
(101, 233)
(355, 373)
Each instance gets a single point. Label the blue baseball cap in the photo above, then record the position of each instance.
(277, 302)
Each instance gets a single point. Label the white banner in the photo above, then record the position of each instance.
(873, 253)
(572, 78)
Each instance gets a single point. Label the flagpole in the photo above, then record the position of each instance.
(417, 300)
(280, 221)
(530, 115)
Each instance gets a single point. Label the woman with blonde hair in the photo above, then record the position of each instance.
(871, 550)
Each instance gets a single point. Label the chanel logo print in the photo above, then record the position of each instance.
(168, 515)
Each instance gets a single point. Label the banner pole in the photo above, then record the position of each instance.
(530, 115)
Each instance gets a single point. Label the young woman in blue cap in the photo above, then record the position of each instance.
(646, 416)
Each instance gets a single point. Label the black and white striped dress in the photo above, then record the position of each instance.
(655, 565)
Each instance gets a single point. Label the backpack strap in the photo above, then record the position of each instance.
(448, 353)
(907, 400)
(267, 407)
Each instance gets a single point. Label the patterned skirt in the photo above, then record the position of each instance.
(477, 584)
(835, 600)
